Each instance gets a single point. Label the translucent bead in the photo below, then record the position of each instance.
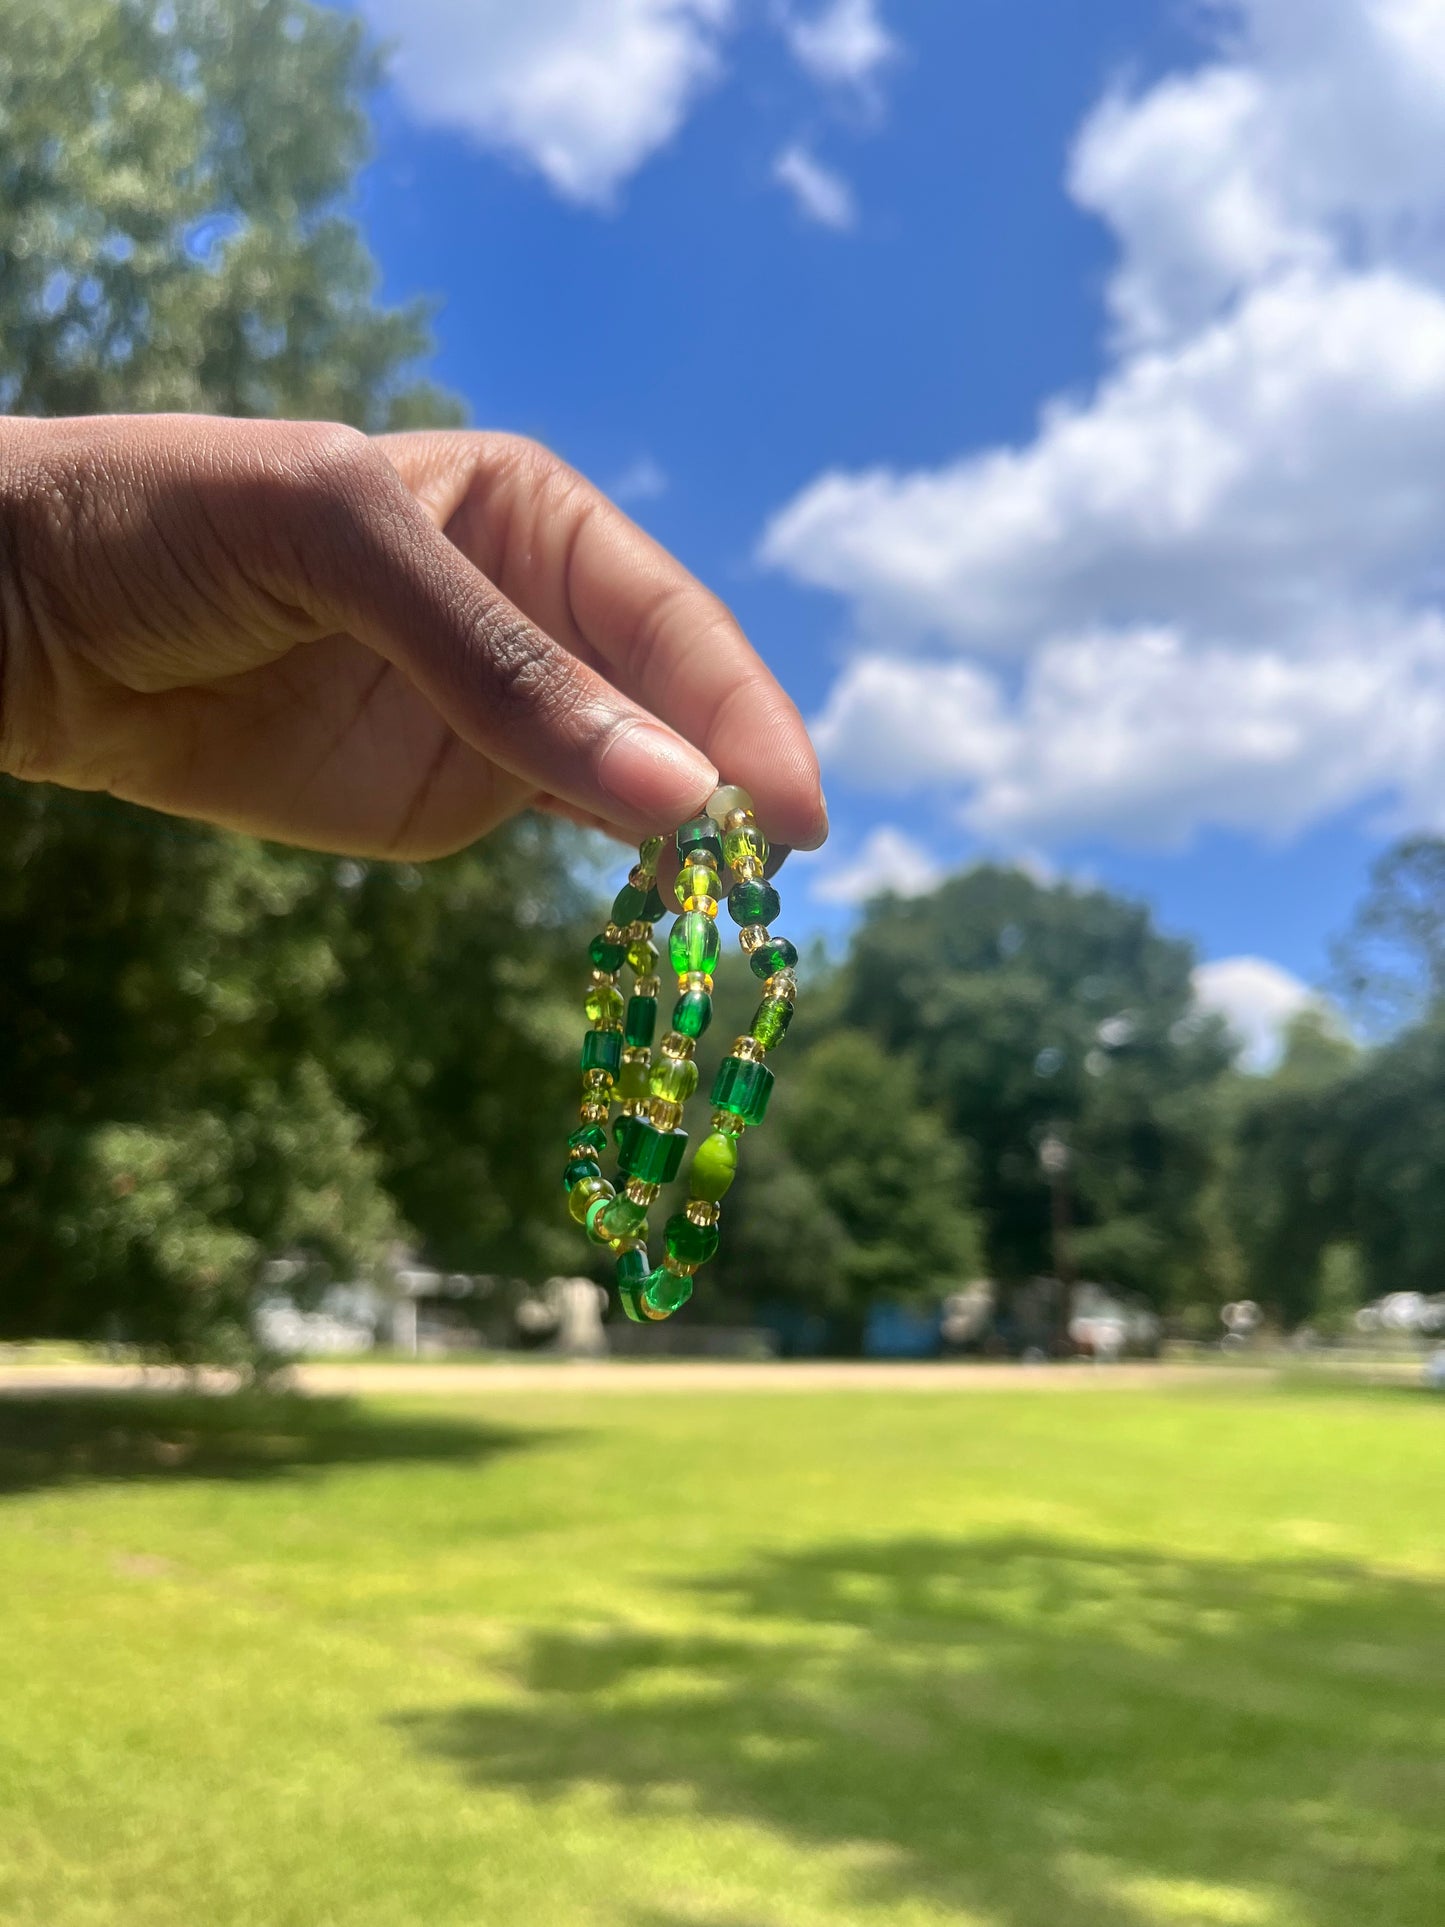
(579, 1169)
(692, 1244)
(634, 1269)
(783, 984)
(604, 1005)
(593, 1220)
(641, 1022)
(770, 1021)
(665, 1292)
(753, 903)
(698, 836)
(632, 1083)
(674, 1079)
(590, 1140)
(743, 1089)
(647, 1153)
(724, 801)
(771, 957)
(748, 841)
(602, 1051)
(627, 904)
(582, 1197)
(692, 1013)
(619, 1221)
(714, 1166)
(649, 853)
(607, 951)
(694, 944)
(695, 883)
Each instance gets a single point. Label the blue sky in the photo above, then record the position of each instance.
(1055, 391)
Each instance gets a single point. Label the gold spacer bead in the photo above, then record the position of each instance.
(597, 1080)
(753, 936)
(639, 878)
(676, 1045)
(649, 1311)
(591, 1113)
(747, 869)
(640, 1191)
(637, 933)
(637, 1054)
(665, 1116)
(707, 905)
(679, 1267)
(604, 977)
(609, 1023)
(647, 987)
(725, 1121)
(783, 985)
(738, 819)
(613, 933)
(748, 1048)
(695, 980)
(702, 1211)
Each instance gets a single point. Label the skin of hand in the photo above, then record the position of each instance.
(381, 646)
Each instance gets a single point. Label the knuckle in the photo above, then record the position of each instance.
(523, 673)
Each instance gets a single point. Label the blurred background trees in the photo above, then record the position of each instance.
(220, 1052)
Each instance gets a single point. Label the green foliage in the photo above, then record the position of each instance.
(1391, 961)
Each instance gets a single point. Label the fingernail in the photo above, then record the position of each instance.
(656, 775)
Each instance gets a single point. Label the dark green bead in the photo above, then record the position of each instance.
(634, 1269)
(588, 1138)
(753, 903)
(602, 1051)
(743, 1088)
(653, 906)
(700, 834)
(620, 1126)
(714, 1166)
(665, 1292)
(605, 953)
(581, 1168)
(693, 944)
(689, 1243)
(652, 1155)
(692, 1013)
(627, 905)
(641, 1021)
(771, 1020)
(775, 955)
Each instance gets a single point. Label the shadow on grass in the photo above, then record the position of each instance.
(73, 1439)
(1024, 1729)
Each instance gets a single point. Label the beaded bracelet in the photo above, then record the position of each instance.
(618, 1065)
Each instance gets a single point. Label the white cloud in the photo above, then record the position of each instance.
(819, 193)
(1218, 576)
(887, 860)
(643, 480)
(1258, 999)
(581, 91)
(844, 44)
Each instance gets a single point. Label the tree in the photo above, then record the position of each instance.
(1391, 961)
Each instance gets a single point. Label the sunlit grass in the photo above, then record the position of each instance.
(726, 1661)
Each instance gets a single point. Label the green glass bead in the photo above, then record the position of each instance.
(633, 1266)
(692, 1013)
(606, 952)
(579, 1169)
(696, 881)
(602, 1051)
(653, 907)
(673, 1079)
(743, 1088)
(739, 845)
(642, 956)
(770, 1022)
(593, 1219)
(647, 1153)
(714, 1166)
(649, 853)
(699, 835)
(627, 904)
(641, 1021)
(620, 1126)
(619, 1221)
(604, 1004)
(689, 1243)
(753, 903)
(588, 1140)
(694, 944)
(775, 955)
(632, 1084)
(582, 1197)
(664, 1293)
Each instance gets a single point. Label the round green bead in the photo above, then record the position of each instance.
(692, 1013)
(665, 1292)
(588, 1138)
(694, 944)
(714, 1166)
(753, 903)
(771, 1020)
(606, 952)
(604, 1004)
(696, 879)
(642, 956)
(689, 1243)
(673, 1079)
(739, 845)
(619, 1221)
(579, 1169)
(583, 1196)
(699, 835)
(775, 955)
(632, 1085)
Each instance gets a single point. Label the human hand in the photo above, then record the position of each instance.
(379, 646)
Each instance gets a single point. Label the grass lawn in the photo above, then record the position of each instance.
(724, 1661)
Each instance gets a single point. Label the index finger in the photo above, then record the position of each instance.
(586, 574)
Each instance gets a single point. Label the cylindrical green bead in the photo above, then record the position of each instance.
(714, 1166)
(604, 1005)
(647, 1153)
(602, 1051)
(699, 835)
(692, 1013)
(588, 1140)
(694, 944)
(582, 1197)
(771, 1020)
(627, 905)
(743, 1088)
(619, 1221)
(641, 1021)
(689, 1243)
(665, 1292)
(673, 1079)
(753, 903)
(632, 1083)
(775, 955)
(634, 1267)
(579, 1169)
(606, 952)
(739, 845)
